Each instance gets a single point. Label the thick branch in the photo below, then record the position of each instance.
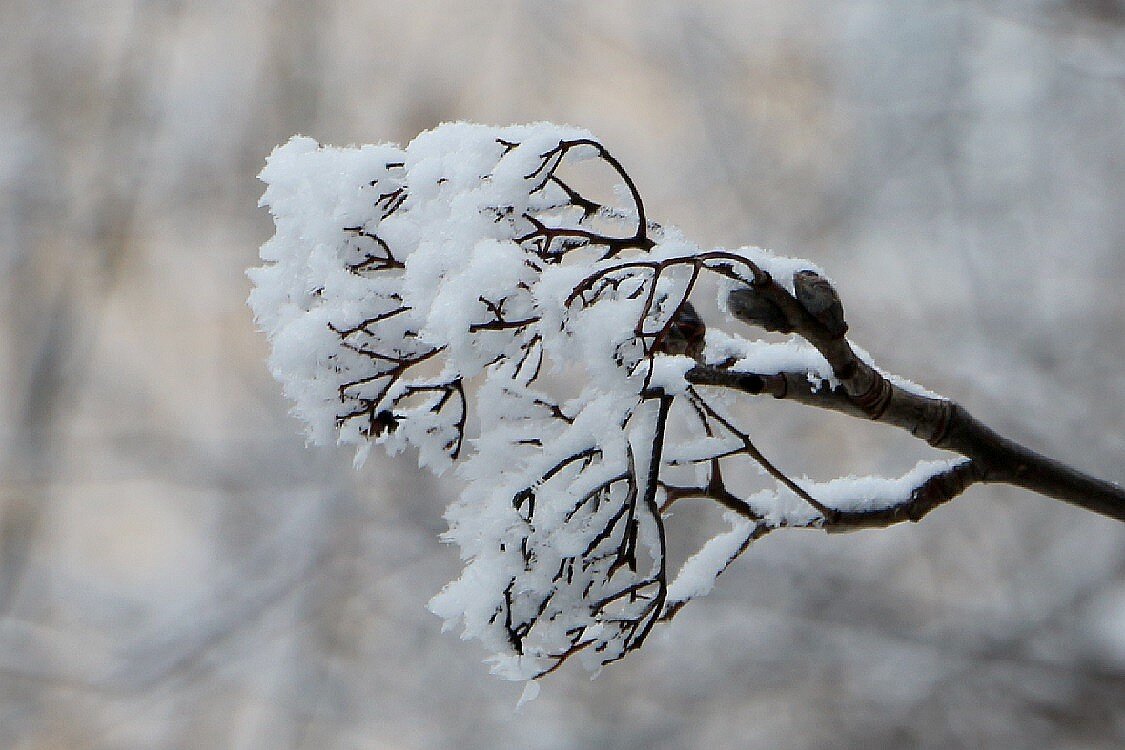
(937, 490)
(942, 423)
(813, 311)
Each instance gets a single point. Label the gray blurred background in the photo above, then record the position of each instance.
(177, 570)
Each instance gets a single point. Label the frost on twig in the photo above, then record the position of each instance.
(436, 297)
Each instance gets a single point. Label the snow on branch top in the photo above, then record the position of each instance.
(398, 275)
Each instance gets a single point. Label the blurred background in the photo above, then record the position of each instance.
(177, 570)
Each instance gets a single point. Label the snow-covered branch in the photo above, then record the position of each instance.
(470, 297)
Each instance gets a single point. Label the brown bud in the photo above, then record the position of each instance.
(749, 306)
(817, 295)
(685, 333)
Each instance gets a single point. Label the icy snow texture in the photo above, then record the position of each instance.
(398, 275)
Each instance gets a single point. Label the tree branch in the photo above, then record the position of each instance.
(813, 311)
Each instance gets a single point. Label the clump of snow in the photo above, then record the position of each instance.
(872, 492)
(530, 693)
(408, 293)
(793, 355)
(698, 574)
(668, 373)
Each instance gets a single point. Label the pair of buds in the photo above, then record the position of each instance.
(813, 293)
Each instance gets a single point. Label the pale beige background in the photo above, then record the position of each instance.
(177, 570)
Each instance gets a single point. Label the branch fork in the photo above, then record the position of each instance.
(813, 311)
